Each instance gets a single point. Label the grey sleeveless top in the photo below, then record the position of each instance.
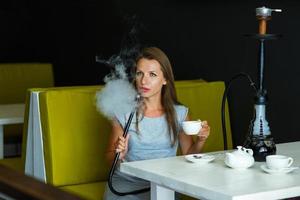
(153, 139)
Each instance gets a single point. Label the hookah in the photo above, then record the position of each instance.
(259, 138)
(116, 159)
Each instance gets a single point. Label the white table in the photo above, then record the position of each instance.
(215, 180)
(10, 114)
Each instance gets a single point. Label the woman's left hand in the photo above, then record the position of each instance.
(204, 131)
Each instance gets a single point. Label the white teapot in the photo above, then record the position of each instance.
(242, 158)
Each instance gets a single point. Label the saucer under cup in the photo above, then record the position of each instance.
(265, 168)
(199, 158)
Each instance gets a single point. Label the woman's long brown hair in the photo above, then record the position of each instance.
(168, 94)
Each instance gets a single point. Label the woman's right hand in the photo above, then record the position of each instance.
(121, 146)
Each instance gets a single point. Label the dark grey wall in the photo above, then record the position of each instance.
(204, 39)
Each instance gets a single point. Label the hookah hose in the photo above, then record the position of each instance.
(113, 167)
(242, 74)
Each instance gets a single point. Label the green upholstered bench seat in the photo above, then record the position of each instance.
(15, 79)
(14, 163)
(75, 134)
(91, 191)
(204, 102)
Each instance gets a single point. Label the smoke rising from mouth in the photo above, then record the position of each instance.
(119, 95)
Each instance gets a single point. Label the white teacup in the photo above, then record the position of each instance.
(278, 162)
(191, 127)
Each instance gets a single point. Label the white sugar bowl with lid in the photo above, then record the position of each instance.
(241, 158)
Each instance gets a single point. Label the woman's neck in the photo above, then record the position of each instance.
(153, 107)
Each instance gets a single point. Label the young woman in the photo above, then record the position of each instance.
(155, 131)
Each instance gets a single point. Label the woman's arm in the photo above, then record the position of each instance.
(188, 146)
(116, 143)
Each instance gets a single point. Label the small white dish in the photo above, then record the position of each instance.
(199, 158)
(276, 171)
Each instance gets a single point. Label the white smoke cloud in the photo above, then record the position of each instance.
(118, 94)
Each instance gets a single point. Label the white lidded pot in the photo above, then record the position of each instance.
(241, 158)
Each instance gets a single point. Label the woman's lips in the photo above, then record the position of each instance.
(144, 89)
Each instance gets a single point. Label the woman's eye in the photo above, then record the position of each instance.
(153, 74)
(138, 73)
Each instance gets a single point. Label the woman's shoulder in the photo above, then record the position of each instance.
(121, 117)
(181, 111)
(180, 107)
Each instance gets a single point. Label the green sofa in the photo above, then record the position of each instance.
(75, 135)
(15, 79)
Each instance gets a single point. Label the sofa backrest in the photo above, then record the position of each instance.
(16, 78)
(75, 134)
(204, 100)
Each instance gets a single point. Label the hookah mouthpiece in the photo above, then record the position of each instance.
(138, 97)
(138, 100)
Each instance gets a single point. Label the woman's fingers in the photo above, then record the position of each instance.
(120, 147)
(121, 139)
(204, 123)
(126, 141)
(205, 130)
(122, 144)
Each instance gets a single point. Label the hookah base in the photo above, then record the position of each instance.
(262, 146)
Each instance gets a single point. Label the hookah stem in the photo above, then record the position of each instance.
(113, 167)
(261, 65)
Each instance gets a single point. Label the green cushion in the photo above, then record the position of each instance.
(14, 163)
(90, 191)
(75, 136)
(15, 79)
(18, 163)
(204, 102)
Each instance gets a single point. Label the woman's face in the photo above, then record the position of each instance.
(149, 78)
